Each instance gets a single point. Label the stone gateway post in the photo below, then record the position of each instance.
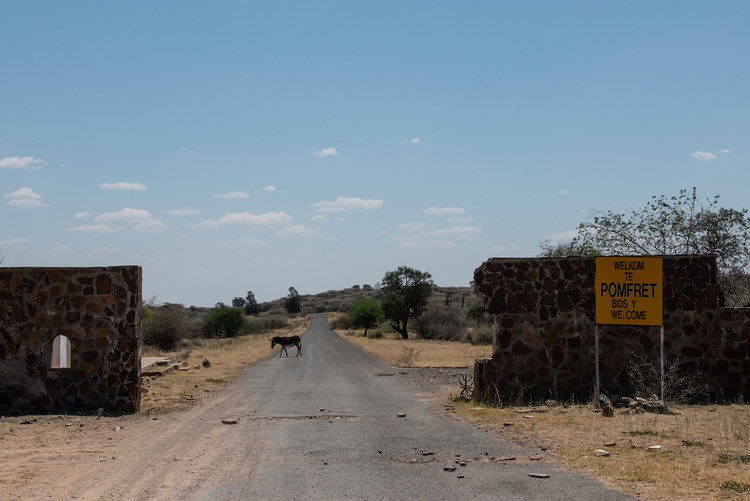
(70, 339)
(544, 343)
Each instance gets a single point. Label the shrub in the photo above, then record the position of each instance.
(224, 321)
(257, 325)
(342, 323)
(164, 326)
(440, 321)
(679, 385)
(482, 335)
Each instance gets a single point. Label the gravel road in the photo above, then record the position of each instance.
(332, 424)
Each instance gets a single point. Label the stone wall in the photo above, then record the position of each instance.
(544, 331)
(70, 339)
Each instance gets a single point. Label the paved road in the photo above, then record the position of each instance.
(329, 425)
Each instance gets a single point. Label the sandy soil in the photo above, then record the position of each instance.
(85, 457)
(124, 457)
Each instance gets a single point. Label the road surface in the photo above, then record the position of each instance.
(332, 424)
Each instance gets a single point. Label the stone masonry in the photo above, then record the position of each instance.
(70, 339)
(544, 331)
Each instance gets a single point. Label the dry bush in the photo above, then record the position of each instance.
(679, 385)
(408, 357)
(440, 321)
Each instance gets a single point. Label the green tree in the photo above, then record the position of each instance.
(292, 302)
(478, 313)
(404, 294)
(251, 304)
(680, 224)
(223, 321)
(239, 302)
(366, 313)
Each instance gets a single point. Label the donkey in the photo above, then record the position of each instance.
(287, 341)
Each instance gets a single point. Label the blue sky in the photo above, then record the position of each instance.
(233, 146)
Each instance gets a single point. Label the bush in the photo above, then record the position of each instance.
(680, 385)
(257, 325)
(481, 335)
(224, 321)
(342, 323)
(164, 326)
(440, 321)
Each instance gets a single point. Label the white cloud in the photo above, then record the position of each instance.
(413, 140)
(24, 197)
(93, 228)
(266, 219)
(564, 192)
(250, 242)
(123, 186)
(456, 231)
(25, 202)
(327, 152)
(270, 189)
(142, 220)
(411, 226)
(347, 204)
(232, 195)
(125, 215)
(21, 163)
(444, 211)
(24, 193)
(81, 215)
(181, 212)
(319, 218)
(703, 155)
(106, 250)
(15, 241)
(297, 230)
(150, 225)
(708, 155)
(63, 249)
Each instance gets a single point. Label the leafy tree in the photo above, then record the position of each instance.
(292, 301)
(223, 321)
(251, 304)
(569, 248)
(239, 302)
(365, 312)
(681, 224)
(477, 312)
(404, 293)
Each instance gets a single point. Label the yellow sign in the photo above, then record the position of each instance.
(629, 290)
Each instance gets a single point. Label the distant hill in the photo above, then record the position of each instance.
(340, 300)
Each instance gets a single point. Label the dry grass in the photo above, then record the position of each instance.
(704, 451)
(399, 352)
(228, 357)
